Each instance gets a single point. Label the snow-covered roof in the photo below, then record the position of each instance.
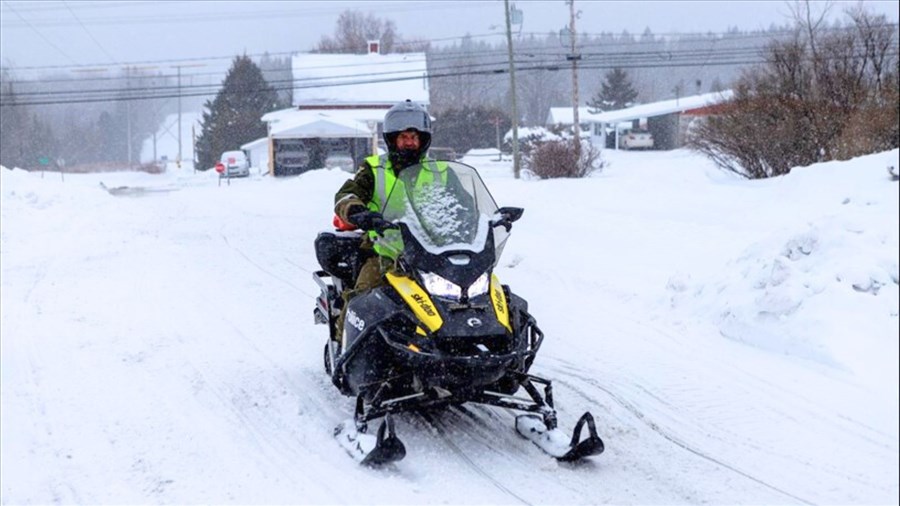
(371, 79)
(564, 115)
(293, 114)
(319, 126)
(250, 146)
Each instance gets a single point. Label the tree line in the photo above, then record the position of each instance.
(845, 68)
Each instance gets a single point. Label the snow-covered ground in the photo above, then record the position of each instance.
(736, 341)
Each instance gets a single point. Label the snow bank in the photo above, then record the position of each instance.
(822, 282)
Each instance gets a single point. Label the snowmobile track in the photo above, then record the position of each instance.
(438, 427)
(560, 379)
(266, 271)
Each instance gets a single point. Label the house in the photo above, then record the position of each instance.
(667, 120)
(339, 103)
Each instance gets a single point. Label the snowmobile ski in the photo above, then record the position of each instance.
(369, 450)
(556, 443)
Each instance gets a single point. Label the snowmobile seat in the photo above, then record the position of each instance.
(340, 255)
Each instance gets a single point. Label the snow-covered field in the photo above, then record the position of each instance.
(736, 341)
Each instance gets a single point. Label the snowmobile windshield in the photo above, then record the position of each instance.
(446, 207)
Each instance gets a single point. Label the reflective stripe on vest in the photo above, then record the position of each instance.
(384, 181)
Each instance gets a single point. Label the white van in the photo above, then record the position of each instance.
(236, 164)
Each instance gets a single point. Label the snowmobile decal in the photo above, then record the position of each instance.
(418, 300)
(499, 302)
(355, 320)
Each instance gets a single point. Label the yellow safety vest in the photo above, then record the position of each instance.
(385, 180)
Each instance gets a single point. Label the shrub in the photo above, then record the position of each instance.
(820, 96)
(557, 158)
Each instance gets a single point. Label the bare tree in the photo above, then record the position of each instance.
(354, 30)
(823, 95)
(538, 87)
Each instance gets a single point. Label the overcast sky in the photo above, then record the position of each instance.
(68, 34)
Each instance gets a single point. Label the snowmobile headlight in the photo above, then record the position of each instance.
(440, 287)
(480, 286)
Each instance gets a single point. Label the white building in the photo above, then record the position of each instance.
(339, 103)
(666, 119)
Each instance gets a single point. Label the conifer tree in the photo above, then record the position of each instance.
(234, 117)
(616, 92)
(13, 126)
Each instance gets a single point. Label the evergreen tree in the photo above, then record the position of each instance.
(40, 143)
(234, 117)
(13, 125)
(616, 92)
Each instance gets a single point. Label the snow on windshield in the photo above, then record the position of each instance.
(443, 219)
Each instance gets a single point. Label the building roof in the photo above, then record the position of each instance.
(292, 114)
(366, 79)
(565, 116)
(250, 146)
(319, 126)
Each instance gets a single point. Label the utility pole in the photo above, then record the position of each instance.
(512, 91)
(178, 160)
(574, 57)
(179, 67)
(128, 114)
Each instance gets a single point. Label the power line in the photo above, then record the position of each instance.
(689, 37)
(41, 35)
(371, 78)
(433, 59)
(648, 54)
(103, 49)
(632, 58)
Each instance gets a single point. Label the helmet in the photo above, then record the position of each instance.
(405, 116)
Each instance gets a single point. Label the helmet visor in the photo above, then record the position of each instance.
(398, 121)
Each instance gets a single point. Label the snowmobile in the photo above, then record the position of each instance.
(443, 331)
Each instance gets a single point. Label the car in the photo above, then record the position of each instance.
(443, 153)
(636, 139)
(236, 164)
(341, 161)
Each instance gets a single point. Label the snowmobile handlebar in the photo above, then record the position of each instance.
(507, 216)
(381, 226)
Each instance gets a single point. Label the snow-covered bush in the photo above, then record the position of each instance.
(550, 153)
(553, 159)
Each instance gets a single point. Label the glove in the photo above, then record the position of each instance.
(368, 220)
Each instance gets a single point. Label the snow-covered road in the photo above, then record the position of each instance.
(160, 348)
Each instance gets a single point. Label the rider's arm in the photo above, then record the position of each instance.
(357, 191)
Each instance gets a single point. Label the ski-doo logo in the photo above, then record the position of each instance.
(499, 301)
(498, 298)
(423, 304)
(354, 320)
(417, 300)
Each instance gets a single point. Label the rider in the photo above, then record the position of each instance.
(407, 134)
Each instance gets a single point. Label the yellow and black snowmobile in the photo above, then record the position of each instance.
(443, 330)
